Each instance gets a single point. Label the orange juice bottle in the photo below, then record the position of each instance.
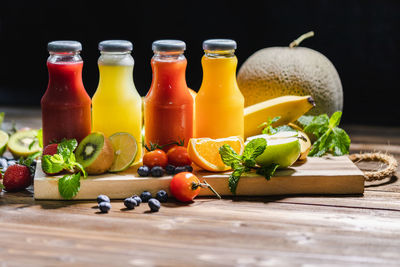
(219, 103)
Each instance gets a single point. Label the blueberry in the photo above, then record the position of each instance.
(162, 196)
(145, 196)
(103, 198)
(3, 163)
(180, 169)
(130, 203)
(188, 168)
(104, 207)
(143, 171)
(157, 171)
(154, 204)
(138, 199)
(170, 169)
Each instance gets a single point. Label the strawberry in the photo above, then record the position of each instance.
(50, 149)
(16, 178)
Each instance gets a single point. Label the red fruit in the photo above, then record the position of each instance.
(16, 178)
(156, 157)
(50, 150)
(184, 186)
(178, 156)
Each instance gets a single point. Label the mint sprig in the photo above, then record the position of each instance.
(330, 138)
(65, 159)
(241, 164)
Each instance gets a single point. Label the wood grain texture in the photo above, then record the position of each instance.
(236, 231)
(328, 175)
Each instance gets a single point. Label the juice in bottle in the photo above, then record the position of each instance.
(65, 104)
(219, 104)
(168, 106)
(116, 104)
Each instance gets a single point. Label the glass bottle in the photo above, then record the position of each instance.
(219, 104)
(65, 105)
(117, 105)
(168, 106)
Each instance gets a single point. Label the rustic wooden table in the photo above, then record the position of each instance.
(286, 230)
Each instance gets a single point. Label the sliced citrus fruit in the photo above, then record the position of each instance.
(3, 141)
(204, 152)
(125, 151)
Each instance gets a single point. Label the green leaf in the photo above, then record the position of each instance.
(254, 148)
(69, 185)
(228, 155)
(339, 142)
(318, 126)
(285, 128)
(234, 178)
(1, 118)
(1, 185)
(320, 146)
(40, 137)
(66, 147)
(50, 164)
(335, 119)
(305, 120)
(268, 170)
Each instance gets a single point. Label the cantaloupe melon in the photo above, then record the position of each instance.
(278, 71)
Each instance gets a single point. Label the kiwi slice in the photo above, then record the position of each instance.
(95, 153)
(23, 143)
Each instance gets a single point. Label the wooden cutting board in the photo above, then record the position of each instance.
(327, 175)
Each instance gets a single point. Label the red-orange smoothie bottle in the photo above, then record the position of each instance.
(66, 111)
(168, 106)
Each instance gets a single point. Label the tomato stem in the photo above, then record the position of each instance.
(205, 184)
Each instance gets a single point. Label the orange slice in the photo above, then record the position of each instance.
(204, 152)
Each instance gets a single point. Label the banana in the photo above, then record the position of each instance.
(289, 108)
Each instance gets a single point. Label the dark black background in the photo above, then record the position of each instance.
(360, 37)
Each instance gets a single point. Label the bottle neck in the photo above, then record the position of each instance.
(169, 70)
(219, 69)
(65, 71)
(116, 68)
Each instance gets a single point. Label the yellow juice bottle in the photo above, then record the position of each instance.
(116, 105)
(219, 104)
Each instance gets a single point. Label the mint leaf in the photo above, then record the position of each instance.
(66, 147)
(50, 164)
(234, 178)
(254, 149)
(268, 170)
(228, 155)
(1, 118)
(318, 125)
(335, 119)
(1, 185)
(339, 142)
(285, 128)
(69, 185)
(268, 129)
(305, 120)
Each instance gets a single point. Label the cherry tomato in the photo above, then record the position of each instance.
(156, 157)
(183, 186)
(178, 156)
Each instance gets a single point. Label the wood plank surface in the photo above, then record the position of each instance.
(236, 231)
(327, 175)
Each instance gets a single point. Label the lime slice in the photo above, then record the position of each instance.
(3, 141)
(125, 150)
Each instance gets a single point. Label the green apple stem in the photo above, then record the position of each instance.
(301, 38)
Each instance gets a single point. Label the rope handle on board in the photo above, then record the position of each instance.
(389, 160)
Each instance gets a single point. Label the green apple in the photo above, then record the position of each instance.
(282, 151)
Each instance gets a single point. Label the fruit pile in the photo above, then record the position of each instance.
(157, 162)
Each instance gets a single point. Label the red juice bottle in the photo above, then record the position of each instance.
(168, 106)
(66, 111)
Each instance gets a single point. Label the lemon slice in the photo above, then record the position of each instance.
(204, 152)
(3, 141)
(125, 151)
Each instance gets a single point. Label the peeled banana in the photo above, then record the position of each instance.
(289, 108)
